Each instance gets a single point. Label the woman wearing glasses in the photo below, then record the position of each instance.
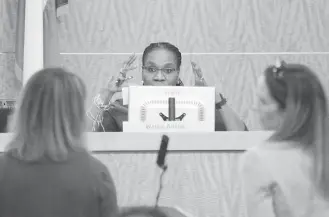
(161, 66)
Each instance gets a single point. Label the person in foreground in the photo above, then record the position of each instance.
(161, 65)
(46, 169)
(142, 211)
(148, 211)
(288, 175)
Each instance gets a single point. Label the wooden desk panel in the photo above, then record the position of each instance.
(203, 184)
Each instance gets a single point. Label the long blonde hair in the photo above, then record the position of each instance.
(301, 96)
(49, 120)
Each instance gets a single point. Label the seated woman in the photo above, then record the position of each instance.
(46, 169)
(161, 66)
(288, 175)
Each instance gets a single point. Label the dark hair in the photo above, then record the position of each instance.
(142, 210)
(164, 45)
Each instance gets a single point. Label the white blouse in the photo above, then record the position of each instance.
(277, 181)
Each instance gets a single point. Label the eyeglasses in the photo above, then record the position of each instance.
(154, 69)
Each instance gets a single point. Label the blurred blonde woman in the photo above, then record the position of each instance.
(46, 169)
(288, 176)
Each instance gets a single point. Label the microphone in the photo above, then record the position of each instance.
(164, 118)
(162, 152)
(180, 118)
(161, 162)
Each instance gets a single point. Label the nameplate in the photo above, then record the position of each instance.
(170, 109)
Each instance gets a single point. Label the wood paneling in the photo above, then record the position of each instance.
(8, 10)
(203, 184)
(196, 25)
(233, 75)
(9, 84)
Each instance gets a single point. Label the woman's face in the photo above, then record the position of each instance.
(160, 68)
(266, 107)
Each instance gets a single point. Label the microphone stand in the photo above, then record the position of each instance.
(164, 169)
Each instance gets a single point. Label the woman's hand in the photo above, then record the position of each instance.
(199, 79)
(201, 82)
(115, 84)
(231, 119)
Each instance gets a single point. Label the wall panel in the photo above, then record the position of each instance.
(9, 85)
(203, 184)
(197, 26)
(7, 25)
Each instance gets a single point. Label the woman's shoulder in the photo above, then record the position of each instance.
(272, 146)
(3, 159)
(276, 156)
(96, 165)
(100, 171)
(272, 150)
(265, 151)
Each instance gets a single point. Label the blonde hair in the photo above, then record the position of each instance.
(301, 96)
(49, 120)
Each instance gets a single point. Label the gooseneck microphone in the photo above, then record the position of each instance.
(172, 111)
(161, 162)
